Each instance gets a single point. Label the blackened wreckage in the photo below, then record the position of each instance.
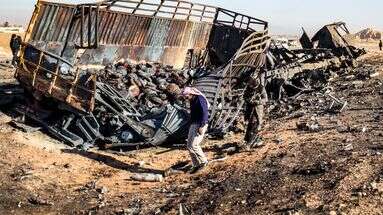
(78, 63)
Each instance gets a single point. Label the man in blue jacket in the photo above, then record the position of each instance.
(199, 116)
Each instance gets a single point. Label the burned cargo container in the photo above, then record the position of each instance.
(140, 30)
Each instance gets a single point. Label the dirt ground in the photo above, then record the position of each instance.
(337, 169)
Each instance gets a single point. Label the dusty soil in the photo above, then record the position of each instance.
(337, 169)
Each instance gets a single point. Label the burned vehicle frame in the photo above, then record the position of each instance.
(63, 41)
(56, 48)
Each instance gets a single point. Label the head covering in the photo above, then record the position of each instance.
(173, 89)
(194, 91)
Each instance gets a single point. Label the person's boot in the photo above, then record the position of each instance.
(198, 168)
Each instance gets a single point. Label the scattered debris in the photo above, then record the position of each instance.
(183, 210)
(37, 200)
(308, 126)
(147, 177)
(349, 147)
(102, 190)
(24, 127)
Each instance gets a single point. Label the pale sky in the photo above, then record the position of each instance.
(284, 16)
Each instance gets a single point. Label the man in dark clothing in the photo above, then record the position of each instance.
(199, 116)
(380, 45)
(255, 97)
(15, 44)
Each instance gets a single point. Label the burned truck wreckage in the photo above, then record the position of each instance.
(108, 74)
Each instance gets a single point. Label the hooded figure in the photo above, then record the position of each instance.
(199, 115)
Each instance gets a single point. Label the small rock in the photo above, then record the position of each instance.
(172, 195)
(147, 177)
(230, 150)
(279, 141)
(101, 205)
(170, 172)
(374, 75)
(258, 202)
(349, 147)
(350, 77)
(102, 190)
(91, 185)
(158, 211)
(141, 163)
(374, 186)
(342, 206)
(332, 213)
(36, 200)
(312, 127)
(357, 83)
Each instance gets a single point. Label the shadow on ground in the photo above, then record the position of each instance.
(112, 162)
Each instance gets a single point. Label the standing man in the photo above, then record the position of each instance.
(255, 97)
(380, 45)
(15, 44)
(199, 116)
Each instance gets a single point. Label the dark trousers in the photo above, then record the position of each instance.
(255, 121)
(15, 52)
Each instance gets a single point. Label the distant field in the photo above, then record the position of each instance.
(4, 42)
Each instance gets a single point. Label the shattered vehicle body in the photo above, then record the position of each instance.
(52, 62)
(68, 49)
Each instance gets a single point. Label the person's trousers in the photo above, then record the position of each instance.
(194, 145)
(255, 123)
(15, 58)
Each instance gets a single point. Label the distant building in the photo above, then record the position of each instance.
(12, 30)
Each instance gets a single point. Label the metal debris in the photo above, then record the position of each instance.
(93, 80)
(147, 177)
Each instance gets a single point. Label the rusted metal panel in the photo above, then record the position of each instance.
(45, 74)
(137, 30)
(138, 37)
(151, 40)
(52, 23)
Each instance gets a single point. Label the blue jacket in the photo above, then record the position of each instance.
(199, 112)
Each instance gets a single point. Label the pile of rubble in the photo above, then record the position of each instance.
(147, 87)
